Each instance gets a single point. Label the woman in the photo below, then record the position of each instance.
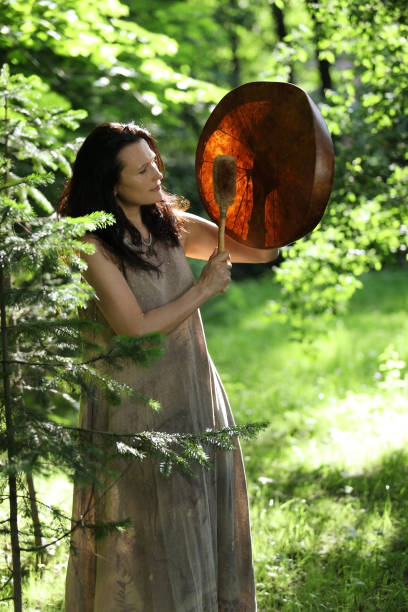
(188, 548)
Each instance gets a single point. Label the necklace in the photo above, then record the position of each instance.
(146, 245)
(147, 242)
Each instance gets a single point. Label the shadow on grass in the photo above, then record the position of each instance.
(387, 480)
(345, 545)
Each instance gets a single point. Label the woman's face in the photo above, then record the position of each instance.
(140, 179)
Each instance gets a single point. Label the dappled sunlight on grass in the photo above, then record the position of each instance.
(347, 532)
(44, 587)
(349, 433)
(328, 478)
(46, 594)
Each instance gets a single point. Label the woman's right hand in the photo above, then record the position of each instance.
(123, 312)
(216, 274)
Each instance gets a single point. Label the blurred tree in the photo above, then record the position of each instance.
(322, 62)
(281, 29)
(366, 222)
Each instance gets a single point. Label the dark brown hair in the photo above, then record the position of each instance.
(95, 173)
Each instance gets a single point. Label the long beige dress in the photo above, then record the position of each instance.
(189, 545)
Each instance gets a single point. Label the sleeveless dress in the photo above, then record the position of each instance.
(188, 548)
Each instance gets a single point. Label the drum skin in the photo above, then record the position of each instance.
(285, 162)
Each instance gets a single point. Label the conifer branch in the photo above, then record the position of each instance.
(51, 357)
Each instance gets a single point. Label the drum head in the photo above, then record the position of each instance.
(285, 162)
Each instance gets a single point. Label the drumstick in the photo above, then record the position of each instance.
(224, 186)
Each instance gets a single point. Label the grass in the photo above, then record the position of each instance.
(328, 478)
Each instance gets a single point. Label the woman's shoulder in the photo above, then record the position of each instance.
(100, 247)
(91, 238)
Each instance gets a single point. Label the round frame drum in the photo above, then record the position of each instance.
(285, 162)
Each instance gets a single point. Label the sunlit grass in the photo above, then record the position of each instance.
(328, 479)
(44, 589)
(333, 507)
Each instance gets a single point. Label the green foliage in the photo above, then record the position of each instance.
(365, 224)
(99, 49)
(33, 147)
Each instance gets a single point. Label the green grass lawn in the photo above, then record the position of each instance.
(328, 478)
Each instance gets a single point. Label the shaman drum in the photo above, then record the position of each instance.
(285, 162)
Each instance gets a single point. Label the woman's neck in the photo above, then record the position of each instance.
(134, 215)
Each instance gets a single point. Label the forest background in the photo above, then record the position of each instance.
(166, 64)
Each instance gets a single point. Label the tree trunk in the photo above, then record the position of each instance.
(281, 32)
(8, 418)
(325, 77)
(234, 39)
(12, 480)
(35, 519)
(228, 16)
(322, 64)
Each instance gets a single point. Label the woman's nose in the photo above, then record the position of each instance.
(157, 172)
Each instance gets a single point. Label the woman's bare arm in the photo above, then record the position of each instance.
(122, 310)
(201, 236)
